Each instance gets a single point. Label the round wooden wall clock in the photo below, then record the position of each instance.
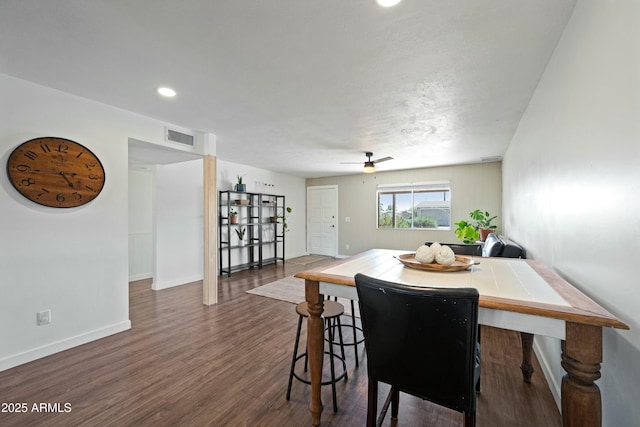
(55, 172)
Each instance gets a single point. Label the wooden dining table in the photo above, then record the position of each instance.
(515, 294)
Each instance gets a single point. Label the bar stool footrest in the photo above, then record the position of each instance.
(358, 328)
(328, 382)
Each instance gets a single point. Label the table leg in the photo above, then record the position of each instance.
(315, 345)
(527, 347)
(581, 358)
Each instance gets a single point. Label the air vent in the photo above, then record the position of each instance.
(179, 137)
(491, 159)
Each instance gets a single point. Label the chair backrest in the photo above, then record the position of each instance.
(493, 246)
(500, 246)
(473, 249)
(421, 340)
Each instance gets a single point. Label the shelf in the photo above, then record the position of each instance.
(239, 267)
(272, 260)
(267, 244)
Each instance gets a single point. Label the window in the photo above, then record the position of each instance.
(415, 206)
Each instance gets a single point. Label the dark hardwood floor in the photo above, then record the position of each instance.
(186, 364)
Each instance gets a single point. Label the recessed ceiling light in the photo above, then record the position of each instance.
(388, 3)
(165, 91)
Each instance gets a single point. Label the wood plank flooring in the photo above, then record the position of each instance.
(186, 364)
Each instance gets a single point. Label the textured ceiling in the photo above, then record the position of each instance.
(300, 86)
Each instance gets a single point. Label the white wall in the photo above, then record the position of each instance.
(474, 186)
(571, 182)
(166, 208)
(293, 188)
(71, 261)
(179, 224)
(141, 202)
(177, 215)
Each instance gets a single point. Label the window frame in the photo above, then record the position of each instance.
(412, 189)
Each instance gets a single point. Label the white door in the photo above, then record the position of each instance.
(322, 224)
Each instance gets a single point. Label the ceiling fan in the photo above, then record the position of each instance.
(369, 164)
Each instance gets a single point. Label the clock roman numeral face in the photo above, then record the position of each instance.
(55, 172)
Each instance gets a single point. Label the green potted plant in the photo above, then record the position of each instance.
(483, 222)
(283, 217)
(240, 232)
(466, 232)
(477, 229)
(233, 217)
(240, 187)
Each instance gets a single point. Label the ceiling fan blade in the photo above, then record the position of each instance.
(350, 163)
(384, 159)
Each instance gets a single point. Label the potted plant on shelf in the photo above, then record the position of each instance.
(477, 229)
(283, 217)
(233, 217)
(240, 187)
(240, 232)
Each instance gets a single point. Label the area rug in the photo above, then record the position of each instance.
(291, 289)
(307, 259)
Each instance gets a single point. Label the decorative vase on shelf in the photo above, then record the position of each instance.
(241, 187)
(240, 232)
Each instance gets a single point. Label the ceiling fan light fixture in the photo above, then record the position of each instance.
(369, 168)
(369, 165)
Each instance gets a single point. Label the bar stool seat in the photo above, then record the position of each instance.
(332, 312)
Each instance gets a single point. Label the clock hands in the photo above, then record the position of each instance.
(67, 179)
(48, 171)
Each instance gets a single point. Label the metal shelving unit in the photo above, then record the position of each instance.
(260, 215)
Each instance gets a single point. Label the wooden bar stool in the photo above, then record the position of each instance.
(331, 314)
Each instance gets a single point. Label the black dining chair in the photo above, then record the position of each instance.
(473, 249)
(421, 341)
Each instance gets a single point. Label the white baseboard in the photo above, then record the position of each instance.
(290, 256)
(141, 276)
(58, 346)
(156, 286)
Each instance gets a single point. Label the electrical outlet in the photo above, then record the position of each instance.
(43, 317)
(346, 246)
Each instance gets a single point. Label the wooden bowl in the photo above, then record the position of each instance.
(461, 263)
